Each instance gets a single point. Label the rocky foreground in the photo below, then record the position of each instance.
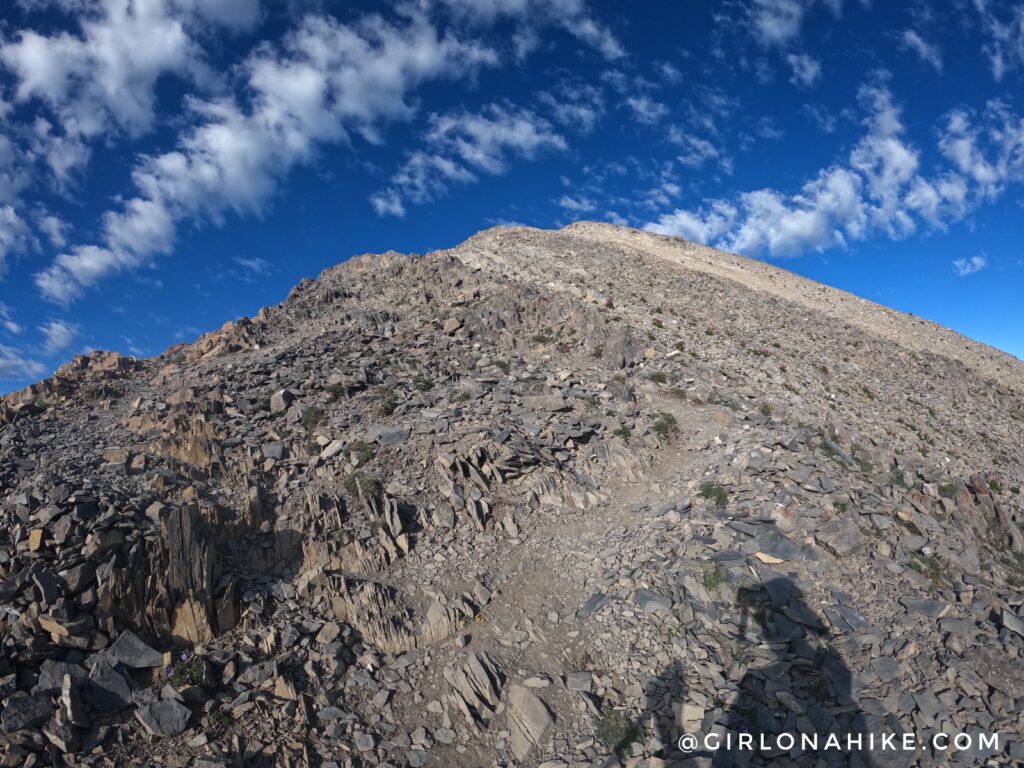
(548, 498)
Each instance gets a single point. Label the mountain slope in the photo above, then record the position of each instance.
(547, 497)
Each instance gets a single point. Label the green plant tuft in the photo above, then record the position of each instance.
(617, 732)
(716, 493)
(665, 425)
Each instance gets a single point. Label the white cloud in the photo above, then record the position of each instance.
(7, 321)
(879, 188)
(990, 154)
(965, 267)
(571, 15)
(646, 109)
(579, 204)
(55, 228)
(1003, 25)
(693, 150)
(460, 145)
(926, 52)
(254, 264)
(806, 69)
(15, 235)
(704, 227)
(238, 15)
(668, 72)
(57, 336)
(777, 22)
(107, 73)
(821, 117)
(327, 81)
(482, 139)
(15, 365)
(886, 162)
(939, 201)
(575, 104)
(64, 155)
(14, 176)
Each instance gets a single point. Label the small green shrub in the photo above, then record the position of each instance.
(313, 416)
(716, 493)
(665, 425)
(357, 481)
(896, 477)
(334, 392)
(363, 450)
(658, 377)
(188, 670)
(388, 401)
(714, 579)
(617, 732)
(932, 568)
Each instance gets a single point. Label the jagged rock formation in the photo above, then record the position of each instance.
(547, 498)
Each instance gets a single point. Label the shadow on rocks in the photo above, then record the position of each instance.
(795, 682)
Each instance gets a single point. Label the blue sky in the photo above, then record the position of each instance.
(167, 165)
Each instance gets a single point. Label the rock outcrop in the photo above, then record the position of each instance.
(547, 498)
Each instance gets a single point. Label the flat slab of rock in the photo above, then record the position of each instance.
(529, 721)
(129, 650)
(163, 717)
(392, 436)
(51, 675)
(840, 537)
(1012, 622)
(592, 604)
(579, 681)
(107, 688)
(652, 602)
(25, 712)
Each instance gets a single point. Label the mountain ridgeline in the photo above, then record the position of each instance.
(547, 498)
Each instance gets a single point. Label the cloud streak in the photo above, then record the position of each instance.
(965, 267)
(328, 83)
(58, 336)
(462, 145)
(879, 188)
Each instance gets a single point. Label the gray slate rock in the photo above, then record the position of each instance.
(107, 688)
(592, 605)
(651, 602)
(51, 675)
(129, 650)
(164, 717)
(840, 537)
(24, 711)
(529, 721)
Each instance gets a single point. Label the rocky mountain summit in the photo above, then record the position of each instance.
(545, 499)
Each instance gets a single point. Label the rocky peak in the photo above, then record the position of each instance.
(546, 498)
